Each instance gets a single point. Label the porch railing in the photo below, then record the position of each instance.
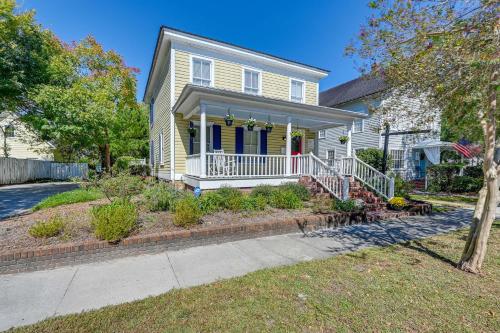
(247, 165)
(371, 177)
(193, 165)
(328, 177)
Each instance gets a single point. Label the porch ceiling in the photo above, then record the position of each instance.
(219, 101)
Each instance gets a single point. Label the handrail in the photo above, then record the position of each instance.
(329, 178)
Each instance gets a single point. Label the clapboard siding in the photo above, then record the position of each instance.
(16, 171)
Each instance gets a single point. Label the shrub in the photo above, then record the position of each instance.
(53, 227)
(254, 203)
(300, 190)
(441, 176)
(474, 171)
(374, 157)
(114, 221)
(211, 202)
(286, 199)
(402, 188)
(348, 205)
(232, 198)
(264, 191)
(161, 196)
(187, 211)
(122, 164)
(398, 203)
(142, 170)
(65, 198)
(465, 184)
(122, 186)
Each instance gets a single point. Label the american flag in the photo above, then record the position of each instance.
(467, 149)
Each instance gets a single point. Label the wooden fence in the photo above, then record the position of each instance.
(17, 171)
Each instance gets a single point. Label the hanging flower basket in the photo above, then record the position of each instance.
(343, 139)
(229, 119)
(269, 127)
(296, 135)
(192, 132)
(250, 123)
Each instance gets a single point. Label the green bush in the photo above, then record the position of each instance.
(53, 227)
(465, 184)
(264, 191)
(232, 198)
(187, 211)
(300, 190)
(65, 198)
(374, 157)
(142, 170)
(286, 199)
(254, 203)
(402, 188)
(474, 171)
(122, 186)
(161, 197)
(348, 205)
(114, 221)
(122, 164)
(211, 202)
(440, 176)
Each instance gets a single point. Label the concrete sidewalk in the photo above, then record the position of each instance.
(30, 297)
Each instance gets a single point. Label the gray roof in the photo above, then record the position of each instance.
(352, 90)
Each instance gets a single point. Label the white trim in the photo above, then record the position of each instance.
(209, 184)
(212, 67)
(248, 54)
(255, 70)
(172, 116)
(317, 93)
(303, 90)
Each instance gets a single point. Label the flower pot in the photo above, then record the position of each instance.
(229, 122)
(343, 142)
(250, 128)
(269, 129)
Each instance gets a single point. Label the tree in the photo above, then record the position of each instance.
(446, 54)
(374, 157)
(25, 52)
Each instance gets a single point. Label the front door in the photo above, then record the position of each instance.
(296, 150)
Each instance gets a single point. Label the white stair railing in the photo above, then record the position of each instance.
(328, 177)
(366, 174)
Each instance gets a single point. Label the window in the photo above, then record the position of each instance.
(250, 142)
(397, 156)
(9, 131)
(322, 134)
(160, 146)
(151, 111)
(251, 82)
(196, 139)
(359, 126)
(297, 91)
(330, 157)
(202, 72)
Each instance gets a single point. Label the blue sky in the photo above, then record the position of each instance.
(313, 32)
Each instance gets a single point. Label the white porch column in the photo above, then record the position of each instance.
(288, 168)
(349, 142)
(203, 140)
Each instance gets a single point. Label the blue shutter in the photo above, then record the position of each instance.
(216, 131)
(239, 140)
(263, 142)
(191, 140)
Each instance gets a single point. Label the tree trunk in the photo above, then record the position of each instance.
(484, 214)
(107, 157)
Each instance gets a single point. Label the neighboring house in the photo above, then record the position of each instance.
(195, 81)
(363, 95)
(17, 140)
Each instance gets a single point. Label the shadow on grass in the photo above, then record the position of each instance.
(421, 248)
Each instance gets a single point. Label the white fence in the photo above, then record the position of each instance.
(16, 171)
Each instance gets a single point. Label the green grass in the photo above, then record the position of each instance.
(64, 198)
(447, 198)
(411, 287)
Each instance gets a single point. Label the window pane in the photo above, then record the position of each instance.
(206, 70)
(255, 80)
(196, 69)
(248, 79)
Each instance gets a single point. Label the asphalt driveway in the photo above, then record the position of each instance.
(17, 199)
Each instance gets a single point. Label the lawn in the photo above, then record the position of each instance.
(409, 287)
(69, 197)
(447, 198)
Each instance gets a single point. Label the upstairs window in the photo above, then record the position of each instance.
(322, 134)
(359, 126)
(202, 72)
(297, 91)
(251, 82)
(10, 131)
(151, 112)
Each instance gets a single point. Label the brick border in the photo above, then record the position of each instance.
(53, 256)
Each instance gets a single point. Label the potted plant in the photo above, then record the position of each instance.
(269, 127)
(398, 203)
(192, 132)
(343, 139)
(229, 118)
(250, 123)
(296, 135)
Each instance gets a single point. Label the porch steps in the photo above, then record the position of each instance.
(419, 184)
(314, 187)
(371, 200)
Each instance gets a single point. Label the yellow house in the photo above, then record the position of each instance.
(197, 85)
